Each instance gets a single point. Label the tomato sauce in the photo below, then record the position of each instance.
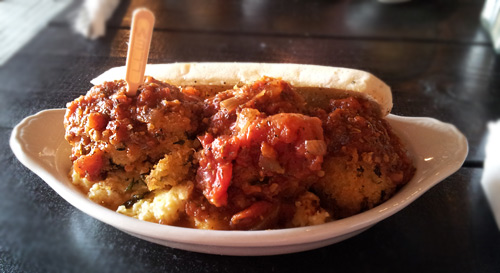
(258, 147)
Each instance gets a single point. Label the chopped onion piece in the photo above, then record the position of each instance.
(270, 165)
(230, 104)
(316, 147)
(245, 118)
(268, 150)
(262, 93)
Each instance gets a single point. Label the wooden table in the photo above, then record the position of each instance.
(434, 54)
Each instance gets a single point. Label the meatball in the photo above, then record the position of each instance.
(366, 162)
(109, 130)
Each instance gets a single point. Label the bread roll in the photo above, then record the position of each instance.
(337, 79)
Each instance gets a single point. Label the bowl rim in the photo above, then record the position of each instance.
(261, 238)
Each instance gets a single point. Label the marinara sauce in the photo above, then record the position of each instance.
(258, 148)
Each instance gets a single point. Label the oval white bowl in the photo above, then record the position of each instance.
(438, 150)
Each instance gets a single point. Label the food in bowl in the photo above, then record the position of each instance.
(263, 154)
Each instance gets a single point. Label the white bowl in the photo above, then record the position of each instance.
(438, 150)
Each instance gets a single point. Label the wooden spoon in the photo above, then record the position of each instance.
(141, 32)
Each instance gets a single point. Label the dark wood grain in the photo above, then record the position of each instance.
(437, 20)
(363, 19)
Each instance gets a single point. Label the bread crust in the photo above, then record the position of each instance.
(298, 75)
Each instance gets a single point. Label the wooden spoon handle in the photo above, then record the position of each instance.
(141, 32)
